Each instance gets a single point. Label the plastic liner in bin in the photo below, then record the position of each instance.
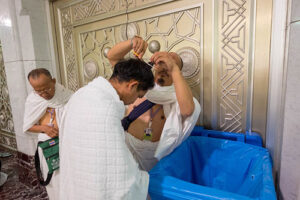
(249, 138)
(209, 168)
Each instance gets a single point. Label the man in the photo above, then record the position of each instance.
(42, 116)
(95, 161)
(158, 131)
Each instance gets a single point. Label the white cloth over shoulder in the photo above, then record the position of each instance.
(175, 130)
(95, 162)
(35, 108)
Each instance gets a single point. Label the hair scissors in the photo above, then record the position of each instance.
(150, 64)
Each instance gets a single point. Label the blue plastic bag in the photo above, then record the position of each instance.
(209, 168)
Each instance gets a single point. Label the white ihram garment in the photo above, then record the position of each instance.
(175, 130)
(35, 108)
(95, 162)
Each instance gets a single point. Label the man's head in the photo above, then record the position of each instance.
(162, 77)
(132, 78)
(42, 82)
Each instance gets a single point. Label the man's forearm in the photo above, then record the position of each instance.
(183, 93)
(117, 52)
(37, 129)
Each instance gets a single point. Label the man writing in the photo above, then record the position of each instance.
(158, 131)
(42, 116)
(95, 161)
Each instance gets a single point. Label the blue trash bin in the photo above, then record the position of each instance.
(209, 168)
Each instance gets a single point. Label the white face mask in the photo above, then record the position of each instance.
(161, 94)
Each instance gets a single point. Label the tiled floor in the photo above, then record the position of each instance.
(13, 189)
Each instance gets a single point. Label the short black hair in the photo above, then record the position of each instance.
(37, 72)
(134, 69)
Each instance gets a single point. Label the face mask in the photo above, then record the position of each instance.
(161, 94)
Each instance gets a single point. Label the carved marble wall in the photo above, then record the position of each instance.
(165, 31)
(7, 135)
(72, 14)
(234, 22)
(214, 38)
(84, 49)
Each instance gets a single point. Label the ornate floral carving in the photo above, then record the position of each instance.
(7, 136)
(66, 19)
(6, 121)
(88, 9)
(92, 8)
(8, 140)
(69, 52)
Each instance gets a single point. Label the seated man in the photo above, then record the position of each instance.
(158, 131)
(43, 109)
(95, 160)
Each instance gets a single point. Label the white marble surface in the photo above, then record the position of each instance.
(290, 156)
(17, 92)
(8, 32)
(295, 10)
(32, 20)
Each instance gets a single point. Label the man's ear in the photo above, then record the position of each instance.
(54, 80)
(133, 84)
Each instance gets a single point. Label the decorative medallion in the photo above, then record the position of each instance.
(154, 46)
(90, 69)
(132, 30)
(191, 61)
(105, 51)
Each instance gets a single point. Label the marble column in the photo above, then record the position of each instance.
(290, 155)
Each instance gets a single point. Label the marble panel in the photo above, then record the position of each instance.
(8, 32)
(16, 88)
(18, 93)
(33, 28)
(295, 16)
(290, 156)
(25, 31)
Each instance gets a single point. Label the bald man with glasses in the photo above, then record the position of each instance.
(43, 111)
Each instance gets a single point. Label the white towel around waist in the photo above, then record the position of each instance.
(142, 150)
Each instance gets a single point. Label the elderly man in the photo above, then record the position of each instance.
(95, 161)
(43, 109)
(163, 127)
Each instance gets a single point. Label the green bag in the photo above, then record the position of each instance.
(51, 153)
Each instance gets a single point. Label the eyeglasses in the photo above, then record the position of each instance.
(43, 91)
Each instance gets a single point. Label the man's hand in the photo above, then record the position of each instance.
(139, 46)
(160, 58)
(118, 52)
(50, 131)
